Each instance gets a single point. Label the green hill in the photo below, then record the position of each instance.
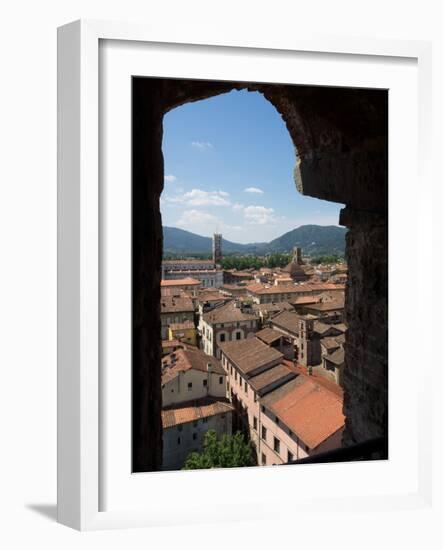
(315, 240)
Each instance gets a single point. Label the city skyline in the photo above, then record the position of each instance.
(229, 164)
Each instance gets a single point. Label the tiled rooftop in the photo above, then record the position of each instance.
(293, 289)
(280, 373)
(250, 354)
(182, 326)
(268, 335)
(287, 320)
(227, 313)
(185, 359)
(187, 281)
(182, 415)
(308, 408)
(174, 304)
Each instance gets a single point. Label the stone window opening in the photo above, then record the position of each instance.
(341, 139)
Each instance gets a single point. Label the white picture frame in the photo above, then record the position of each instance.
(80, 447)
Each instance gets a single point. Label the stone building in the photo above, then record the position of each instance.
(183, 332)
(262, 294)
(175, 309)
(217, 248)
(190, 375)
(189, 285)
(184, 429)
(277, 340)
(296, 269)
(233, 321)
(286, 413)
(204, 271)
(194, 401)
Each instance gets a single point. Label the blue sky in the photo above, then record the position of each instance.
(229, 165)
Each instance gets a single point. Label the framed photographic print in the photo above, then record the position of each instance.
(233, 232)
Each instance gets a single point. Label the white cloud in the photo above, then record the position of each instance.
(171, 178)
(258, 215)
(195, 219)
(202, 145)
(237, 206)
(198, 197)
(254, 190)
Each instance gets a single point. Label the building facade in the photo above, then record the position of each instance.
(194, 401)
(175, 309)
(287, 414)
(217, 248)
(230, 322)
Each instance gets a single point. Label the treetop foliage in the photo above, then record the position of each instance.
(230, 451)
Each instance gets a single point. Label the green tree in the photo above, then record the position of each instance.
(230, 451)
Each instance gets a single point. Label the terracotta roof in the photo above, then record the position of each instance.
(227, 313)
(183, 360)
(182, 415)
(293, 289)
(170, 343)
(323, 328)
(273, 307)
(170, 304)
(303, 300)
(308, 408)
(188, 281)
(329, 305)
(280, 373)
(206, 295)
(268, 335)
(250, 354)
(287, 320)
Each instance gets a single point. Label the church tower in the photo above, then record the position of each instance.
(217, 248)
(296, 257)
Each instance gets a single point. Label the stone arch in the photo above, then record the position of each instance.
(341, 137)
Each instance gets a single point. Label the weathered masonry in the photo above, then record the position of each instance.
(340, 135)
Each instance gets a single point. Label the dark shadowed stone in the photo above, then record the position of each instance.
(340, 136)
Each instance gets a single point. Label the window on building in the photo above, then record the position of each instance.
(276, 445)
(262, 409)
(254, 423)
(179, 440)
(180, 428)
(263, 459)
(246, 387)
(222, 337)
(255, 397)
(290, 456)
(220, 379)
(263, 432)
(277, 421)
(189, 386)
(238, 335)
(235, 376)
(194, 436)
(205, 383)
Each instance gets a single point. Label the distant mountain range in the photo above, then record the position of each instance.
(315, 240)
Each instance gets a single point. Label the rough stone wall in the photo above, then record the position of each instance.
(365, 374)
(147, 242)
